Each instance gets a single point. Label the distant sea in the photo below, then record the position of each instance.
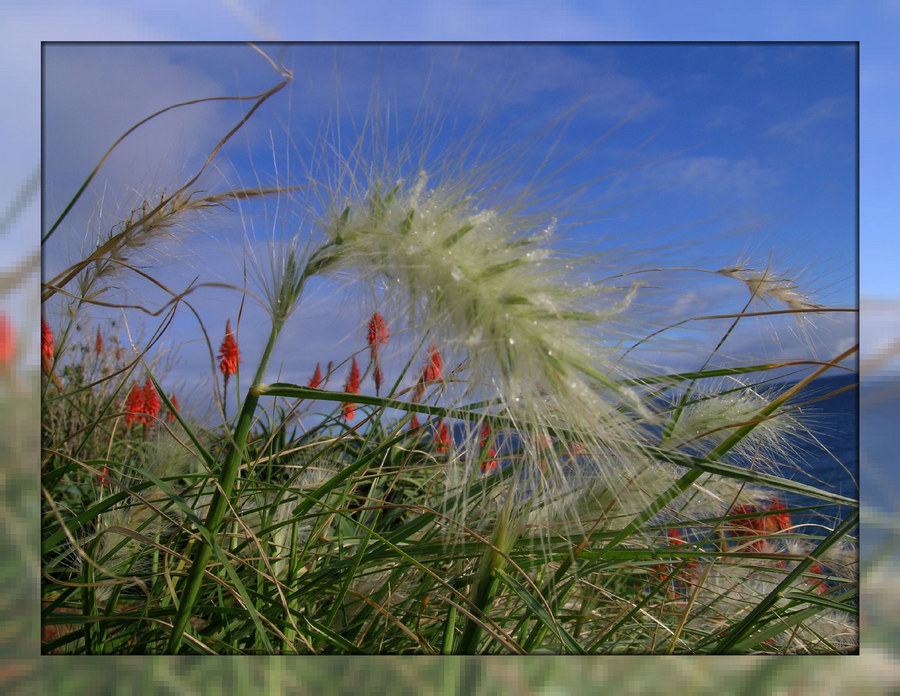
(832, 460)
(834, 421)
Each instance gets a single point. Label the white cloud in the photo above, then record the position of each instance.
(824, 110)
(715, 176)
(93, 94)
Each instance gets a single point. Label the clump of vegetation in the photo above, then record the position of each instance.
(517, 487)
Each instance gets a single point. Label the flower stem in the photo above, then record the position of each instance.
(220, 500)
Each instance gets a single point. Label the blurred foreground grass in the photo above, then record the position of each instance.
(876, 670)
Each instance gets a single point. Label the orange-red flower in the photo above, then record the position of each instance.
(229, 356)
(761, 525)
(378, 378)
(351, 387)
(316, 379)
(46, 340)
(98, 343)
(151, 401)
(377, 335)
(442, 437)
(490, 463)
(779, 521)
(413, 422)
(432, 371)
(134, 404)
(47, 354)
(170, 415)
(142, 404)
(378, 332)
(7, 342)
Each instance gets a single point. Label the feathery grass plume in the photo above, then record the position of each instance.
(771, 289)
(733, 587)
(476, 272)
(717, 408)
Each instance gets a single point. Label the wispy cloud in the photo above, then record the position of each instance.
(715, 175)
(822, 111)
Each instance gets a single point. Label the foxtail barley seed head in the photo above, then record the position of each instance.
(717, 409)
(521, 317)
(771, 289)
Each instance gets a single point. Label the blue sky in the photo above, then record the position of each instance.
(702, 155)
(873, 24)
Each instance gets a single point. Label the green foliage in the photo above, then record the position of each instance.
(576, 506)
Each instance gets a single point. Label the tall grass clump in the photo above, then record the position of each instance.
(518, 482)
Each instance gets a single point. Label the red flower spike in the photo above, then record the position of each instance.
(103, 478)
(352, 384)
(7, 341)
(151, 402)
(750, 526)
(98, 344)
(170, 416)
(377, 335)
(316, 379)
(378, 378)
(351, 387)
(442, 437)
(779, 521)
(229, 356)
(434, 370)
(489, 464)
(378, 332)
(134, 404)
(46, 341)
(413, 422)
